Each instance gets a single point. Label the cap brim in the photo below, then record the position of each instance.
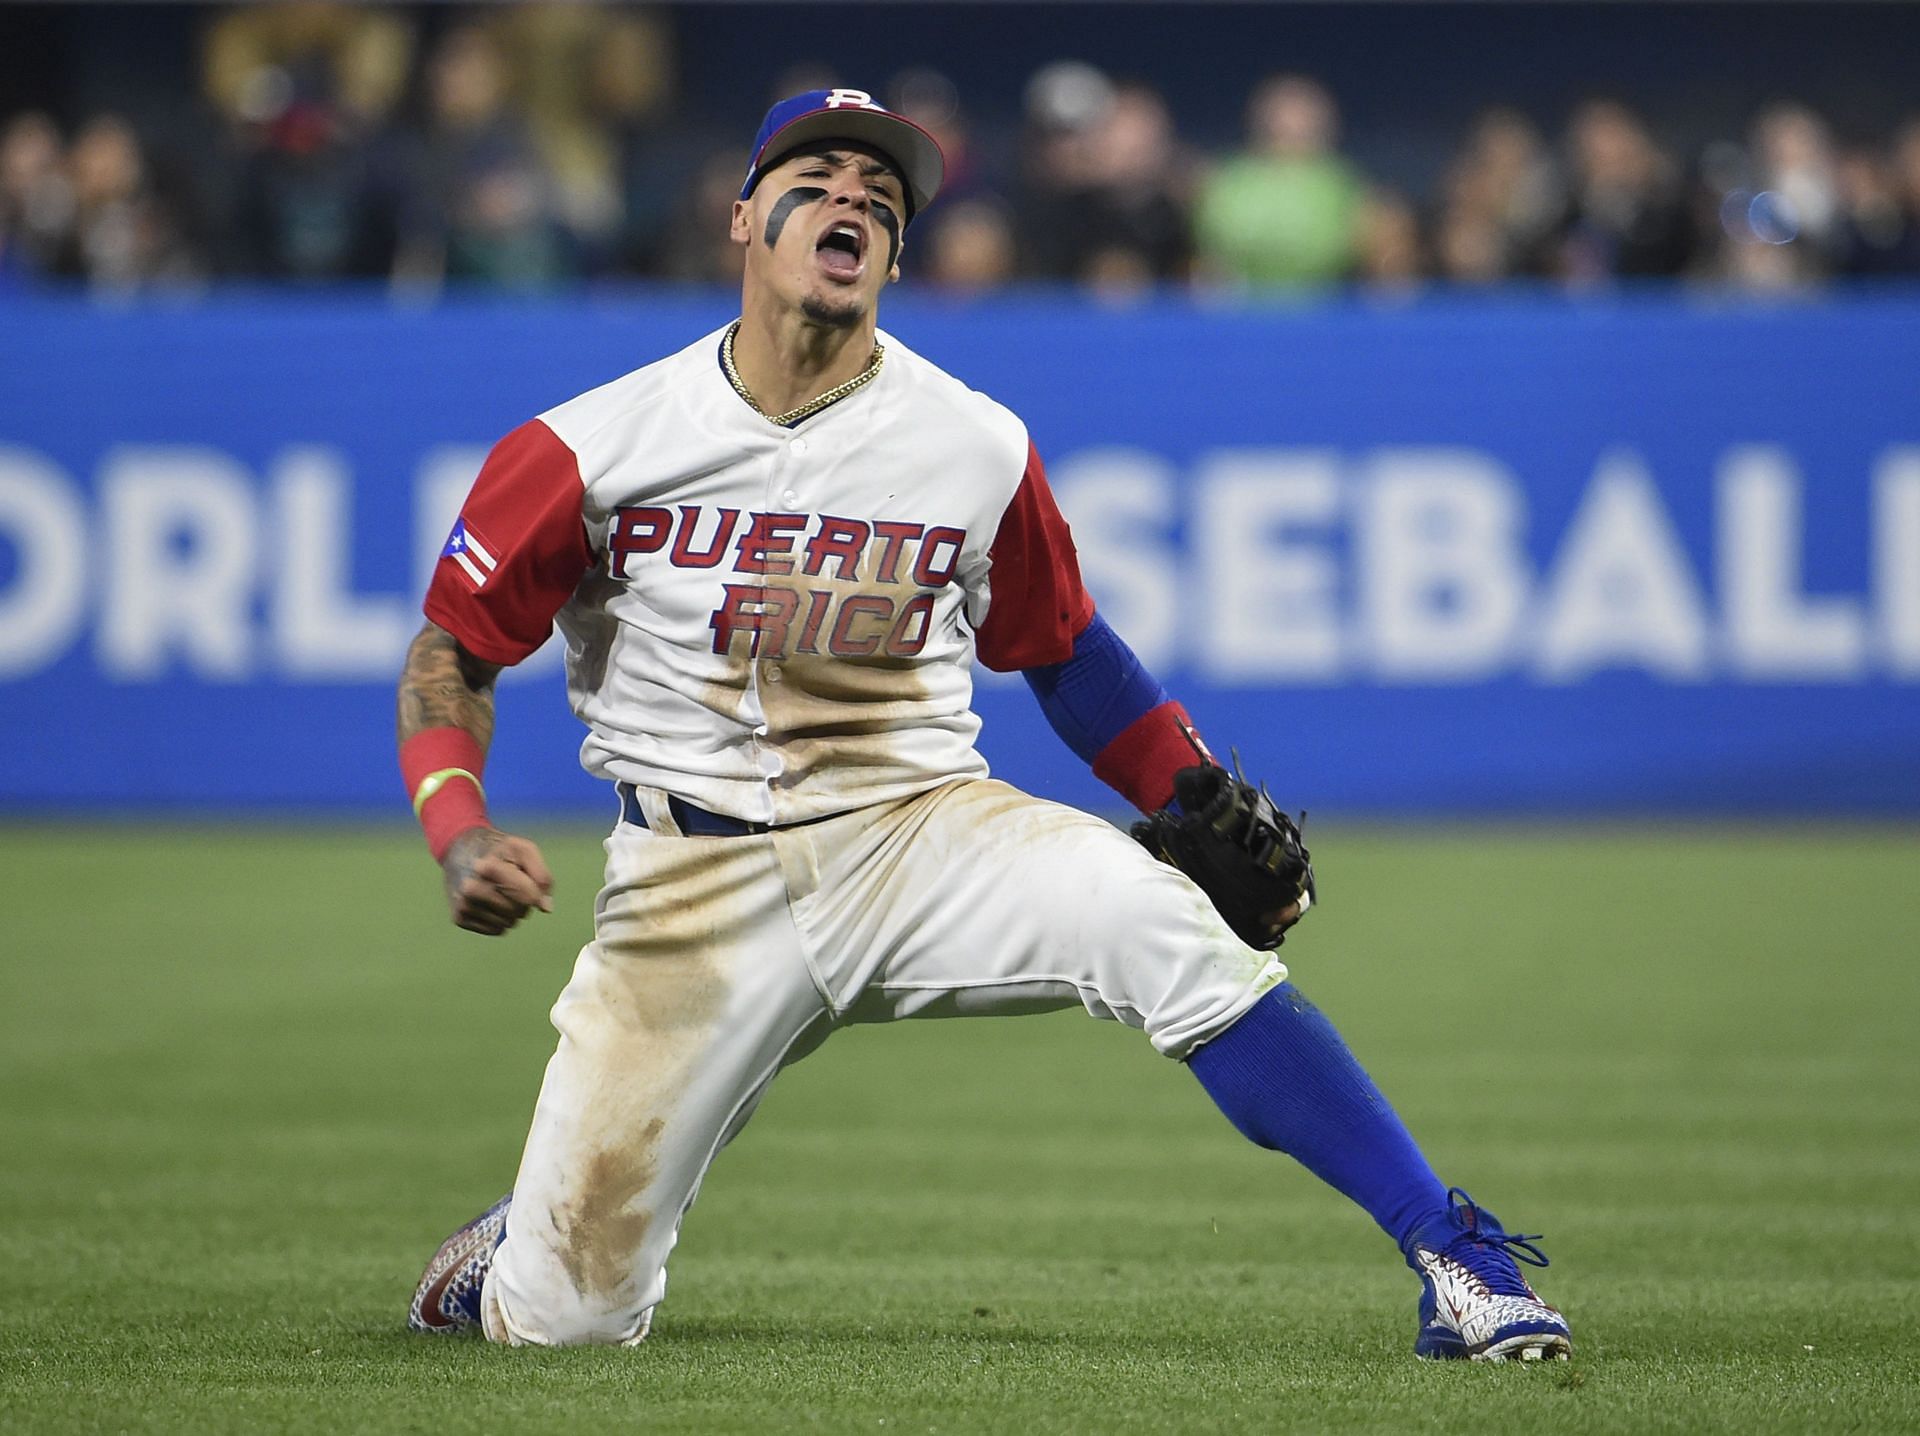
(912, 149)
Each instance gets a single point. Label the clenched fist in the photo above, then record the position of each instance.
(494, 879)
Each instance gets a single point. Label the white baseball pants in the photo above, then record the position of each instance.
(716, 961)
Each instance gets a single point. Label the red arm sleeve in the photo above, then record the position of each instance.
(518, 550)
(1037, 605)
(1140, 763)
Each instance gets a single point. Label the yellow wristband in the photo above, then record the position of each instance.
(434, 782)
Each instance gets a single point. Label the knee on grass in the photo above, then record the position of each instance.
(561, 1318)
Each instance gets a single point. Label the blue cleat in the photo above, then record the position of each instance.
(1474, 1304)
(447, 1300)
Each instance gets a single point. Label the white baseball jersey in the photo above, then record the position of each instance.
(773, 623)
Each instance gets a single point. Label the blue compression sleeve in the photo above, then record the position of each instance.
(1284, 1077)
(1096, 694)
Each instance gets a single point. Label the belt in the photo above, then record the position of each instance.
(694, 821)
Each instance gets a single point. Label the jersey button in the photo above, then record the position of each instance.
(770, 671)
(791, 496)
(799, 446)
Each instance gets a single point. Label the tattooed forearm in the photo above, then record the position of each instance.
(444, 686)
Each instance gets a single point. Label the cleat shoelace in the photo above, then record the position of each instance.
(1488, 1250)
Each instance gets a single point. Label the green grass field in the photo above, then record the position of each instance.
(249, 1077)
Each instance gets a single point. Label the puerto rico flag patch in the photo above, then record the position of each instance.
(465, 549)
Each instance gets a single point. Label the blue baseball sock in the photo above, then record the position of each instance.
(1285, 1078)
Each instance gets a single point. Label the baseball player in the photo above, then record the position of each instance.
(774, 558)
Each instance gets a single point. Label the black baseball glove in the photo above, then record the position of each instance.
(1240, 849)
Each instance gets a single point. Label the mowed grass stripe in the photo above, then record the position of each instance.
(251, 1077)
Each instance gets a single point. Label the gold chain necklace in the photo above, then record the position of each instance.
(812, 406)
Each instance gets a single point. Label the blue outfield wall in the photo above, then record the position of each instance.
(1514, 555)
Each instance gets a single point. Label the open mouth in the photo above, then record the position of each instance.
(842, 250)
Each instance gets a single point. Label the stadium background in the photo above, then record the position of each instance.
(1532, 440)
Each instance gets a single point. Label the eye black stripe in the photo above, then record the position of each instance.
(784, 207)
(890, 222)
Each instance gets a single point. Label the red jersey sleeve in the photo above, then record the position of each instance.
(1036, 605)
(518, 550)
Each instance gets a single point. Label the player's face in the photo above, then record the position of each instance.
(822, 230)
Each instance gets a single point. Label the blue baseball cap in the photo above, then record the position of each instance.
(850, 115)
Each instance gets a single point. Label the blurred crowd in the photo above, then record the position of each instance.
(540, 145)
